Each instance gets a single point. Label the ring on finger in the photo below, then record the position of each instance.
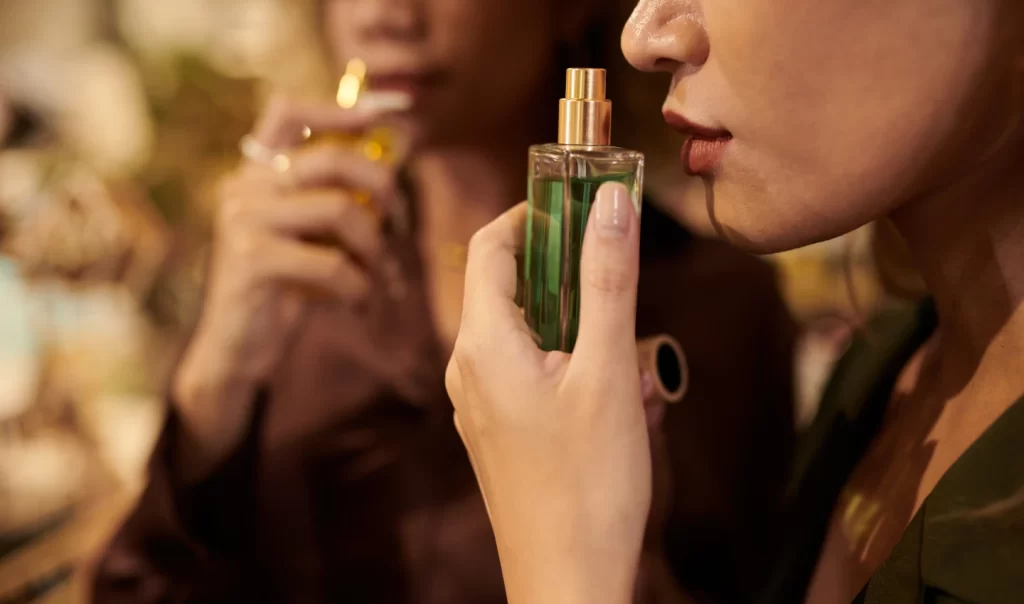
(257, 152)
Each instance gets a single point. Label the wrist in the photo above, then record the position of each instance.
(574, 571)
(214, 406)
(564, 585)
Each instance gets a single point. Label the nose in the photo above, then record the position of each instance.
(396, 19)
(666, 35)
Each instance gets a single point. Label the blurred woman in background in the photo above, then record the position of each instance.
(309, 453)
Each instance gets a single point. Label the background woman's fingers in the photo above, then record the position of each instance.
(317, 213)
(284, 122)
(319, 268)
(323, 165)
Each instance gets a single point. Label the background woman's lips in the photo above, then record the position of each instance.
(705, 146)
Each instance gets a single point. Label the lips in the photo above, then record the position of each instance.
(704, 148)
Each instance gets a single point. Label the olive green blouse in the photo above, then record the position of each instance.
(965, 544)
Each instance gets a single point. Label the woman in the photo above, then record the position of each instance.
(309, 455)
(807, 119)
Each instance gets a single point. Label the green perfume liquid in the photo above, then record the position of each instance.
(556, 222)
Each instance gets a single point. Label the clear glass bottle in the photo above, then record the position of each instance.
(563, 181)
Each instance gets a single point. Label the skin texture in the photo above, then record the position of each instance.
(840, 101)
(840, 112)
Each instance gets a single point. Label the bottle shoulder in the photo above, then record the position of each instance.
(555, 150)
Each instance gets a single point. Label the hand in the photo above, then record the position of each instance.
(269, 256)
(559, 442)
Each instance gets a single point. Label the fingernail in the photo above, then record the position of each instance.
(612, 209)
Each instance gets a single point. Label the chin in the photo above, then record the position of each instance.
(768, 222)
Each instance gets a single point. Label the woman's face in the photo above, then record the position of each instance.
(470, 65)
(817, 116)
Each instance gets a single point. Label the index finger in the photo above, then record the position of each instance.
(491, 269)
(489, 314)
(286, 122)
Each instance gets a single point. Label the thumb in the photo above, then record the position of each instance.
(609, 270)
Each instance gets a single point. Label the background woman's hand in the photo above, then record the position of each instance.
(287, 229)
(559, 443)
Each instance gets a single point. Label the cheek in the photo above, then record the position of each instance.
(839, 109)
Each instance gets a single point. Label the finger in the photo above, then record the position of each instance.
(285, 121)
(491, 259)
(609, 269)
(319, 268)
(491, 273)
(318, 213)
(324, 165)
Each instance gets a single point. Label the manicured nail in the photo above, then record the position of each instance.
(612, 209)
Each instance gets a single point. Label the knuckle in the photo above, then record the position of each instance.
(323, 162)
(479, 243)
(468, 354)
(453, 380)
(610, 280)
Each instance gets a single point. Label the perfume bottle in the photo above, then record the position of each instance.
(563, 181)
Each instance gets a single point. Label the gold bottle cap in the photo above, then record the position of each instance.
(585, 114)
